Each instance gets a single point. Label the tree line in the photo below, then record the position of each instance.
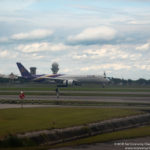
(113, 81)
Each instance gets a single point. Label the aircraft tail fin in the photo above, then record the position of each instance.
(24, 72)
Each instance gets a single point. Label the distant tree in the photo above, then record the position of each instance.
(141, 81)
(130, 82)
(116, 81)
(4, 80)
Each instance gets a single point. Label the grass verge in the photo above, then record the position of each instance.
(124, 134)
(40, 93)
(107, 137)
(14, 121)
(47, 87)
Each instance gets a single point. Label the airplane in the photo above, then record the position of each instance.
(27, 75)
(63, 79)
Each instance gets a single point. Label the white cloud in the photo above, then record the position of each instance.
(107, 52)
(94, 34)
(143, 47)
(111, 51)
(143, 67)
(76, 56)
(8, 5)
(66, 70)
(43, 46)
(36, 56)
(4, 53)
(117, 66)
(35, 34)
(100, 52)
(8, 54)
(3, 39)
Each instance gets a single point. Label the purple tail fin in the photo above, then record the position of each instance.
(24, 72)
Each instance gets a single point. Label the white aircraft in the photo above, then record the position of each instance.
(63, 79)
(66, 80)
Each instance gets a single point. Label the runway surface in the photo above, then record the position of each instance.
(81, 98)
(141, 143)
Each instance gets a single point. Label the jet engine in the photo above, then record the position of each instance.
(68, 82)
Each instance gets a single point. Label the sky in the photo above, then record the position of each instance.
(82, 36)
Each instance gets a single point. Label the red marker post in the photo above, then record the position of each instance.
(21, 96)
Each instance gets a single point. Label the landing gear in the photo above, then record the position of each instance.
(57, 92)
(103, 85)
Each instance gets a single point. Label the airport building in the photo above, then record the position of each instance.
(33, 70)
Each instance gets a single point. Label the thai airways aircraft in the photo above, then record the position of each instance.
(63, 79)
(25, 73)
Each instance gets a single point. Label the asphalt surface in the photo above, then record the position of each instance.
(80, 98)
(128, 144)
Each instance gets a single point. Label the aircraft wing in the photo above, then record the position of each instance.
(59, 79)
(45, 77)
(52, 78)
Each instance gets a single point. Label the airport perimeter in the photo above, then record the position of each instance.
(117, 99)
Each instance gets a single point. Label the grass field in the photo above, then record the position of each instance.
(77, 89)
(76, 94)
(14, 121)
(90, 87)
(124, 134)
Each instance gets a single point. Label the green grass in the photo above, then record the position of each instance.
(124, 134)
(14, 121)
(90, 87)
(75, 94)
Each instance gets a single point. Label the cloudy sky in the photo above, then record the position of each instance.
(83, 36)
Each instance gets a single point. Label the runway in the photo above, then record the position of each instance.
(81, 98)
(122, 144)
